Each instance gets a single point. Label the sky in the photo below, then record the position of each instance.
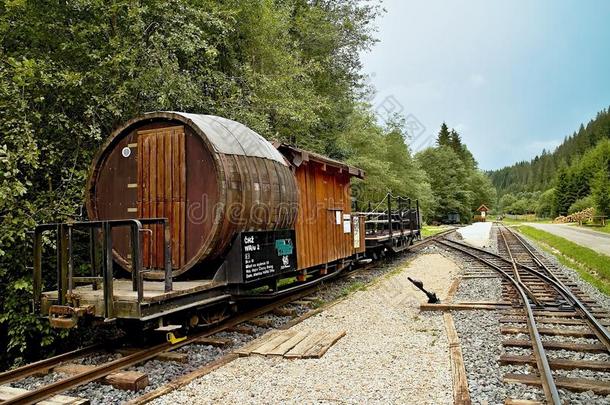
(512, 77)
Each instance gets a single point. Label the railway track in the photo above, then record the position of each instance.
(547, 313)
(139, 356)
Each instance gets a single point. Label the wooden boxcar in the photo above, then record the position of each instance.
(172, 192)
(326, 231)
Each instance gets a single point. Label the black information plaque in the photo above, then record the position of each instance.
(267, 254)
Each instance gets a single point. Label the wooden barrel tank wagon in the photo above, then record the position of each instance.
(189, 213)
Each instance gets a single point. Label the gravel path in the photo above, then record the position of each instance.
(390, 354)
(477, 234)
(160, 373)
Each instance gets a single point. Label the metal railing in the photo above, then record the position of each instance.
(398, 216)
(66, 280)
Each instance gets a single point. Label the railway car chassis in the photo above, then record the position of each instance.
(245, 274)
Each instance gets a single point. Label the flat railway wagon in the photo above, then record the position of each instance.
(189, 214)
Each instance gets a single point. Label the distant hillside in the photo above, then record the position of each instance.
(539, 173)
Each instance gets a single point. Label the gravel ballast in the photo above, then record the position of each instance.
(390, 354)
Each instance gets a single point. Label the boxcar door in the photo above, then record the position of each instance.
(162, 191)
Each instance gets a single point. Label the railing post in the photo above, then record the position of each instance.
(62, 264)
(410, 218)
(390, 214)
(417, 215)
(37, 268)
(401, 207)
(70, 259)
(93, 256)
(107, 270)
(135, 254)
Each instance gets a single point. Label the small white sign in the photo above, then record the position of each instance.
(347, 223)
(126, 152)
(356, 232)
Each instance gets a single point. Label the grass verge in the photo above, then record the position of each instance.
(521, 220)
(605, 229)
(356, 286)
(593, 267)
(430, 230)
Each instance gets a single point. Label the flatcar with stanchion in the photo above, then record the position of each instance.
(188, 214)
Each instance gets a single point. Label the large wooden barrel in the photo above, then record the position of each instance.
(210, 176)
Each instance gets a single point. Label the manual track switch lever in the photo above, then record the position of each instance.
(432, 298)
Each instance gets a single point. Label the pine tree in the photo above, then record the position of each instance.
(601, 192)
(562, 188)
(455, 142)
(444, 138)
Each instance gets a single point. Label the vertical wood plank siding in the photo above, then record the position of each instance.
(162, 191)
(322, 192)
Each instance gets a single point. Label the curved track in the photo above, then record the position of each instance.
(544, 297)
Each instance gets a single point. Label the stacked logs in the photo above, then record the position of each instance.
(580, 217)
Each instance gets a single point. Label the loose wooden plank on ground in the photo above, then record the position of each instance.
(288, 344)
(275, 342)
(461, 395)
(322, 346)
(304, 345)
(292, 344)
(255, 344)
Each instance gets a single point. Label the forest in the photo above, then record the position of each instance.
(573, 177)
(72, 71)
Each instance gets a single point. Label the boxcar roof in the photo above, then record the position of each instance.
(226, 136)
(297, 155)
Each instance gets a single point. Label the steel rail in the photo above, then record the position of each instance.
(530, 251)
(544, 277)
(44, 364)
(60, 386)
(546, 375)
(513, 263)
(40, 394)
(600, 330)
